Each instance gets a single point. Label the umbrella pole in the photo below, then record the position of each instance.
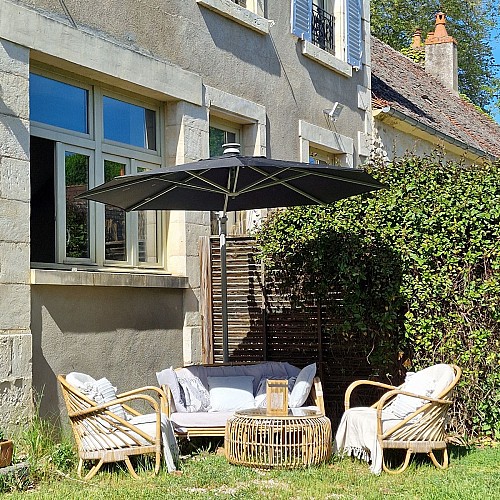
(223, 276)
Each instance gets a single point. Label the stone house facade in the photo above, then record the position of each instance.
(90, 90)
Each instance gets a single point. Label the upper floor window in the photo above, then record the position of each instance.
(81, 136)
(323, 25)
(256, 6)
(332, 25)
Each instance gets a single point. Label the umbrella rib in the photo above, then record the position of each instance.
(258, 185)
(304, 173)
(219, 188)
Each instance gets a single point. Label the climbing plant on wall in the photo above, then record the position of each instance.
(417, 263)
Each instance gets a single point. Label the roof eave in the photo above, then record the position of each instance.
(428, 132)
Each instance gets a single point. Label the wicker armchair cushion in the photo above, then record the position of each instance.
(429, 382)
(100, 391)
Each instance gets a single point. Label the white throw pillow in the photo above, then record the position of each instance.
(230, 393)
(100, 391)
(196, 396)
(428, 382)
(302, 386)
(169, 377)
(83, 382)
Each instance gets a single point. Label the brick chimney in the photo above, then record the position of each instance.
(441, 54)
(417, 39)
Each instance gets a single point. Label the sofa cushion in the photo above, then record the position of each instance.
(196, 395)
(302, 386)
(230, 393)
(169, 377)
(268, 369)
(184, 421)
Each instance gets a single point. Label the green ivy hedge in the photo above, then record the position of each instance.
(417, 265)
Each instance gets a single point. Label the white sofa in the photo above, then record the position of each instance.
(200, 398)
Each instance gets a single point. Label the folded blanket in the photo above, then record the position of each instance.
(357, 435)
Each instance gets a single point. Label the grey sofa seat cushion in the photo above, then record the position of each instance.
(183, 421)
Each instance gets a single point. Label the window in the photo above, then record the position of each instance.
(58, 104)
(322, 146)
(83, 135)
(224, 132)
(323, 25)
(219, 135)
(334, 26)
(322, 157)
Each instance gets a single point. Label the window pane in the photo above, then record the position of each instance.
(217, 138)
(148, 233)
(115, 230)
(42, 220)
(58, 104)
(77, 211)
(129, 124)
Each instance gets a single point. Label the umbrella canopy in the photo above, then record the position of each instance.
(232, 182)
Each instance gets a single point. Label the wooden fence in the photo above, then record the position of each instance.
(264, 326)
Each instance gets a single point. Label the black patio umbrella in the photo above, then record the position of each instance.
(232, 182)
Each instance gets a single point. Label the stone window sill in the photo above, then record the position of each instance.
(78, 277)
(326, 59)
(238, 14)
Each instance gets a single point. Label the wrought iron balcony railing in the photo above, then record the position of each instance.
(323, 29)
(243, 3)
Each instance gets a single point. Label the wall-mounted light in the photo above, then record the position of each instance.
(331, 115)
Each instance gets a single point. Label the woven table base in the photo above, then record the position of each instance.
(258, 440)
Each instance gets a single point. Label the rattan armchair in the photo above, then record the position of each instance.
(103, 436)
(421, 431)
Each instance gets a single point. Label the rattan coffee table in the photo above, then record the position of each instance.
(299, 439)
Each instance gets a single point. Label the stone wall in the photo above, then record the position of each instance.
(15, 333)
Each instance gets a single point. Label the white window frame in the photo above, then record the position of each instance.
(97, 148)
(60, 194)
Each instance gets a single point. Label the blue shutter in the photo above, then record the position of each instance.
(301, 18)
(354, 33)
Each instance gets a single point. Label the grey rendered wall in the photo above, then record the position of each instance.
(122, 333)
(266, 69)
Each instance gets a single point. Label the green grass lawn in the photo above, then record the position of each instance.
(473, 474)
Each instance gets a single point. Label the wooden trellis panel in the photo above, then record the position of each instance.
(245, 299)
(264, 326)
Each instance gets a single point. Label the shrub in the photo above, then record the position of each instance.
(416, 265)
